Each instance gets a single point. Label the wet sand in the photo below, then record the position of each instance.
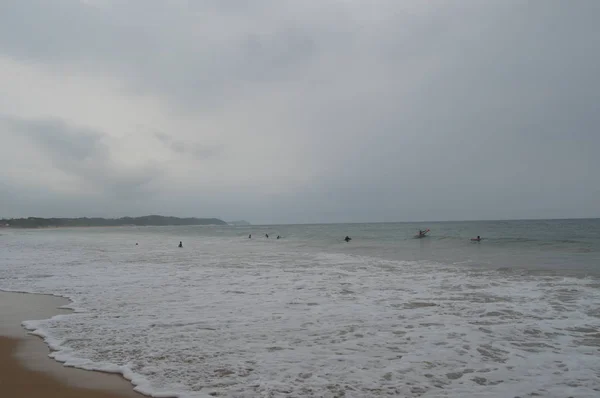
(25, 368)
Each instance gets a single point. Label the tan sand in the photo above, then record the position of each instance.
(16, 381)
(25, 368)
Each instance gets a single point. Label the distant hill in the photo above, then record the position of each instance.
(36, 222)
(239, 223)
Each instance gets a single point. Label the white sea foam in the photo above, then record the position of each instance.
(244, 319)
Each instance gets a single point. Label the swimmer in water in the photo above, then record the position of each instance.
(180, 244)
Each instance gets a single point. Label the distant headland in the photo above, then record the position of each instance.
(239, 223)
(153, 220)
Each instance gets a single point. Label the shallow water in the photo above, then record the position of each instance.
(309, 315)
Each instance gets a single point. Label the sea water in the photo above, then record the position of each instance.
(310, 315)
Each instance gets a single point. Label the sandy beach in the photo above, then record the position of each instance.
(25, 368)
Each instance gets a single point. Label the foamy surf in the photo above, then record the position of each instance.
(253, 319)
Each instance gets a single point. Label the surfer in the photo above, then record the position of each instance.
(477, 239)
(278, 237)
(422, 233)
(347, 239)
(180, 244)
(267, 236)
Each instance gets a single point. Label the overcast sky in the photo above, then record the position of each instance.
(289, 111)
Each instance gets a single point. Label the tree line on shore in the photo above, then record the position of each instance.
(38, 222)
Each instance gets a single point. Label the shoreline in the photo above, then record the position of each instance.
(27, 370)
(109, 226)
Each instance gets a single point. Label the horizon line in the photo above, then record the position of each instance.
(322, 223)
(435, 221)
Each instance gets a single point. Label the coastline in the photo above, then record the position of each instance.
(27, 370)
(64, 227)
(108, 226)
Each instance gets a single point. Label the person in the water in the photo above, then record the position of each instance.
(278, 236)
(347, 239)
(250, 236)
(423, 233)
(180, 244)
(478, 239)
(267, 236)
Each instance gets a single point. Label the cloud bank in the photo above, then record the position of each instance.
(286, 111)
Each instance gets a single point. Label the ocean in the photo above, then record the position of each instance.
(309, 315)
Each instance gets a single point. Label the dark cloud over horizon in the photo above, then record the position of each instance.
(285, 111)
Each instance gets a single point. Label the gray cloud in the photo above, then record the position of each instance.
(82, 152)
(387, 110)
(158, 46)
(193, 149)
(66, 144)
